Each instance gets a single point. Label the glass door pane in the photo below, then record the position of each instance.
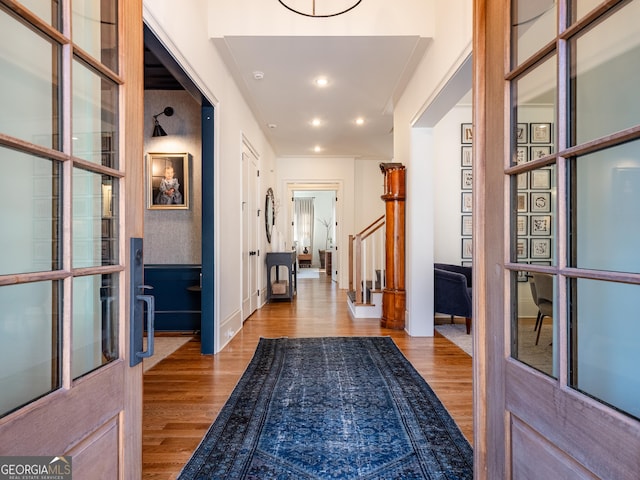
(29, 343)
(604, 342)
(533, 331)
(49, 11)
(95, 219)
(32, 243)
(95, 322)
(533, 26)
(604, 72)
(29, 84)
(606, 217)
(95, 114)
(95, 30)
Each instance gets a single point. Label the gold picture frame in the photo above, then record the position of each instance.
(167, 180)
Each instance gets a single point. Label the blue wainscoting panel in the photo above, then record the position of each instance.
(176, 289)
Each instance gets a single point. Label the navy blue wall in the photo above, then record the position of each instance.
(177, 306)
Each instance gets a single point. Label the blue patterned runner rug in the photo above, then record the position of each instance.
(327, 408)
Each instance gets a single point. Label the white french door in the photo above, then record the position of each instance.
(73, 197)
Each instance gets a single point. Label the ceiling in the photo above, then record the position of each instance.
(366, 76)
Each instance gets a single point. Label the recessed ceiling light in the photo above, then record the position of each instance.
(322, 81)
(258, 75)
(317, 149)
(359, 121)
(316, 122)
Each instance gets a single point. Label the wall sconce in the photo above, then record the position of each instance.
(158, 131)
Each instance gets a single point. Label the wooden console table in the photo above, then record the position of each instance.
(304, 260)
(277, 260)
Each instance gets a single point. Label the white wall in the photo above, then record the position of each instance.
(359, 197)
(184, 31)
(416, 149)
(447, 191)
(368, 189)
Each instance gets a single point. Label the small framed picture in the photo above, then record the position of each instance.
(540, 133)
(467, 248)
(522, 225)
(466, 133)
(467, 264)
(467, 179)
(466, 159)
(522, 133)
(539, 151)
(522, 203)
(540, 202)
(167, 181)
(541, 179)
(467, 225)
(467, 202)
(521, 248)
(522, 155)
(540, 248)
(523, 277)
(523, 181)
(540, 225)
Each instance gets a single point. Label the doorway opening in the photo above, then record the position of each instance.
(314, 219)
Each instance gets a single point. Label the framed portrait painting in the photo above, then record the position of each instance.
(167, 179)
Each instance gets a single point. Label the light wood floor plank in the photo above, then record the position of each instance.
(184, 392)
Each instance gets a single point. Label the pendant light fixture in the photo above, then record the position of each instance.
(320, 8)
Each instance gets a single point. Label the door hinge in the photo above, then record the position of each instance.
(257, 173)
(258, 292)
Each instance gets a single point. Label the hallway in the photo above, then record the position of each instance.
(184, 393)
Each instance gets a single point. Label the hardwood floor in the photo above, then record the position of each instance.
(184, 392)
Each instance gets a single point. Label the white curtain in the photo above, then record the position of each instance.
(303, 223)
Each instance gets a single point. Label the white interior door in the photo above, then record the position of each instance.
(250, 228)
(66, 388)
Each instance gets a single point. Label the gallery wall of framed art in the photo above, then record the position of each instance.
(534, 198)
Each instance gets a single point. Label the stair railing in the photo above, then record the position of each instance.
(366, 254)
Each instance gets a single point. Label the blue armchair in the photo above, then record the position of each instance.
(453, 291)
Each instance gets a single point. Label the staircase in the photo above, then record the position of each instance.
(366, 271)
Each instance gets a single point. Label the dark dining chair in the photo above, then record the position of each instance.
(453, 291)
(542, 291)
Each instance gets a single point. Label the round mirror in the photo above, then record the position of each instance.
(269, 213)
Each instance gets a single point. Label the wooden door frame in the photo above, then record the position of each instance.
(490, 20)
(132, 104)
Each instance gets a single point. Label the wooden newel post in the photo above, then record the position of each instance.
(394, 298)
